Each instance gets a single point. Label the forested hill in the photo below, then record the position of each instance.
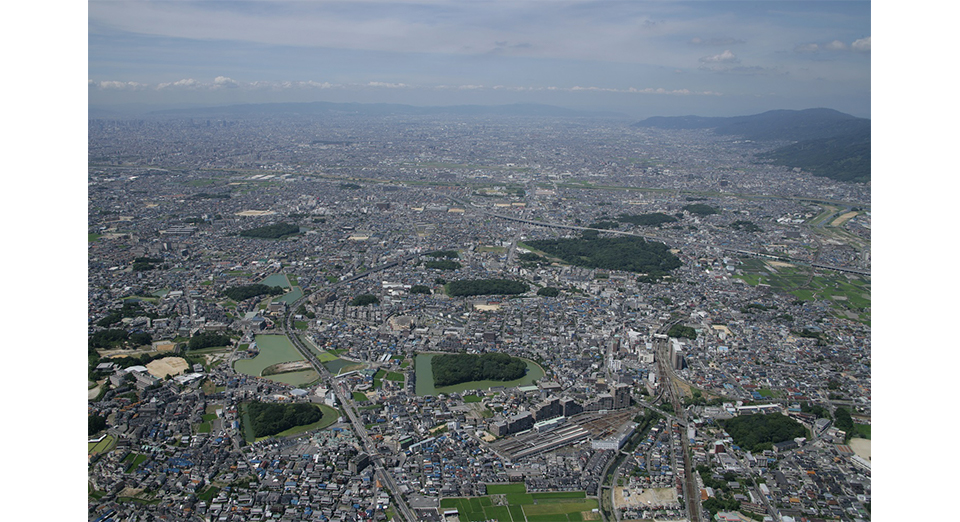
(828, 143)
(808, 124)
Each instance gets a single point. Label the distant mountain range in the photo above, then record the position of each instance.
(829, 143)
(379, 109)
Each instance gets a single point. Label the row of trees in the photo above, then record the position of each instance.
(239, 293)
(468, 287)
(268, 418)
(631, 254)
(456, 368)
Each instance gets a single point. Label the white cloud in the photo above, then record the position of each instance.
(116, 86)
(725, 57)
(387, 85)
(223, 81)
(862, 45)
(186, 83)
(836, 45)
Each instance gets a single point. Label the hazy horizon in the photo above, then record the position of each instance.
(635, 58)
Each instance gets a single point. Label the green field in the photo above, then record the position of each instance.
(103, 446)
(849, 295)
(521, 506)
(503, 489)
(133, 460)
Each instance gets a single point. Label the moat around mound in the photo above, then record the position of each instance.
(425, 385)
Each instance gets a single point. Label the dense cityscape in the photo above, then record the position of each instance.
(734, 387)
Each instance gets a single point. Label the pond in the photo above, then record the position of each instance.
(276, 280)
(290, 297)
(275, 349)
(425, 378)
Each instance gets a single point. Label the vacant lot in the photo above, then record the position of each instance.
(167, 366)
(860, 447)
(630, 497)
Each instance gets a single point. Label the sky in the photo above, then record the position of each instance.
(710, 58)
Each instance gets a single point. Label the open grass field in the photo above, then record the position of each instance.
(511, 503)
(103, 446)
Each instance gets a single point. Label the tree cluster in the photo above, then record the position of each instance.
(270, 418)
(274, 231)
(116, 337)
(95, 423)
(129, 309)
(142, 264)
(549, 291)
(604, 225)
(420, 289)
(631, 254)
(700, 209)
(758, 432)
(678, 330)
(652, 219)
(468, 287)
(239, 293)
(442, 264)
(208, 340)
(364, 300)
(456, 368)
(742, 224)
(450, 254)
(844, 420)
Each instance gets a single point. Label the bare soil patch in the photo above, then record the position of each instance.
(860, 447)
(843, 219)
(636, 497)
(167, 366)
